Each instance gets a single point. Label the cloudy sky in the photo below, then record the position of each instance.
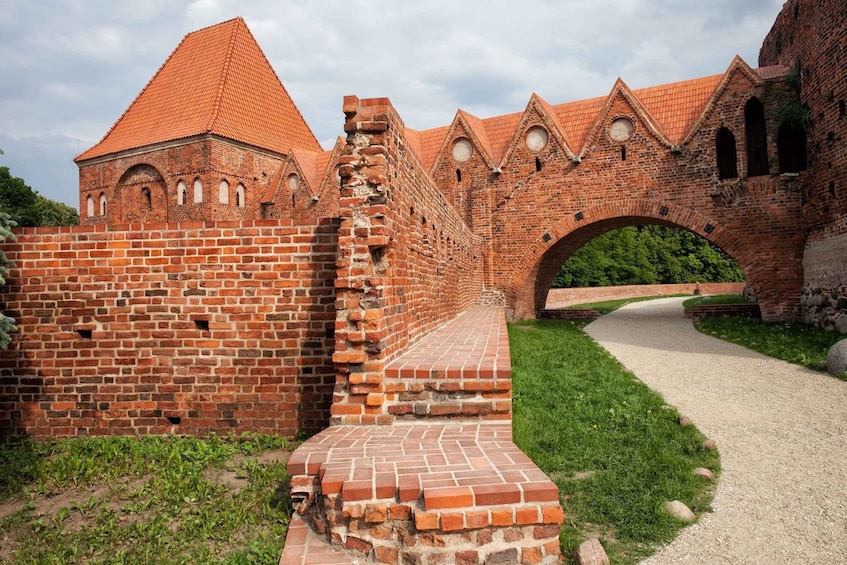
(69, 68)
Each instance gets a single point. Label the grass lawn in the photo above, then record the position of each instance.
(613, 447)
(790, 341)
(154, 499)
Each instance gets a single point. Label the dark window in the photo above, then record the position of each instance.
(791, 145)
(727, 155)
(757, 138)
(148, 199)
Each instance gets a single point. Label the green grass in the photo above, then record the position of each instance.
(790, 341)
(606, 306)
(154, 499)
(714, 300)
(613, 447)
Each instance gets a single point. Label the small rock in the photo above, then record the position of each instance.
(709, 444)
(685, 421)
(704, 473)
(836, 359)
(680, 511)
(841, 324)
(591, 552)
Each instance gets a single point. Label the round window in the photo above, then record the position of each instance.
(462, 150)
(621, 129)
(293, 181)
(536, 138)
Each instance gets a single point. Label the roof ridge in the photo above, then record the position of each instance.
(137, 96)
(216, 107)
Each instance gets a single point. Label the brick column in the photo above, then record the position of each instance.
(361, 308)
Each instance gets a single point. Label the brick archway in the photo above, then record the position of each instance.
(532, 277)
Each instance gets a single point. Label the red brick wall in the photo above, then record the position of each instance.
(536, 219)
(407, 263)
(561, 297)
(209, 159)
(112, 329)
(811, 36)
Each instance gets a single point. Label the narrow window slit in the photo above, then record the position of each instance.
(537, 165)
(623, 152)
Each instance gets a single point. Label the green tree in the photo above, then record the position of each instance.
(649, 254)
(27, 208)
(7, 324)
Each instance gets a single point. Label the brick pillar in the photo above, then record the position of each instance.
(361, 323)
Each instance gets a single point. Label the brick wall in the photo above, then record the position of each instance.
(561, 297)
(211, 160)
(535, 208)
(225, 327)
(407, 263)
(811, 35)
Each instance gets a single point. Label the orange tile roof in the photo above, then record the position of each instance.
(431, 141)
(676, 106)
(217, 81)
(500, 130)
(478, 128)
(774, 71)
(578, 118)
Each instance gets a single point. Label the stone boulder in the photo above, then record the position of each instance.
(591, 552)
(836, 359)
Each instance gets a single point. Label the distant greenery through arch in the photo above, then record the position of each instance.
(647, 254)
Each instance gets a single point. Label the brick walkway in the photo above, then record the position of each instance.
(445, 481)
(461, 370)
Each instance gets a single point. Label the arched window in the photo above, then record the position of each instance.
(198, 191)
(239, 196)
(148, 198)
(223, 192)
(102, 204)
(791, 148)
(89, 205)
(727, 155)
(757, 138)
(181, 191)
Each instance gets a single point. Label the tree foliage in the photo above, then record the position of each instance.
(7, 324)
(647, 255)
(27, 208)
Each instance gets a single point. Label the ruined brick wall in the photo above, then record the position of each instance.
(407, 263)
(184, 328)
(207, 160)
(811, 36)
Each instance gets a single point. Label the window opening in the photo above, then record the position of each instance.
(757, 139)
(727, 155)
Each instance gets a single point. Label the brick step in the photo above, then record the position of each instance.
(390, 492)
(408, 399)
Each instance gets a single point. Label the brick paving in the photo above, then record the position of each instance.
(445, 465)
(474, 345)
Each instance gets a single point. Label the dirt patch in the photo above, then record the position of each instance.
(234, 477)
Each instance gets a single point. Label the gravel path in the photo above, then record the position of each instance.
(781, 431)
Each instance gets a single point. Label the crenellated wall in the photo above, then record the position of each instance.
(162, 328)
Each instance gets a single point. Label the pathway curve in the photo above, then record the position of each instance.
(781, 431)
